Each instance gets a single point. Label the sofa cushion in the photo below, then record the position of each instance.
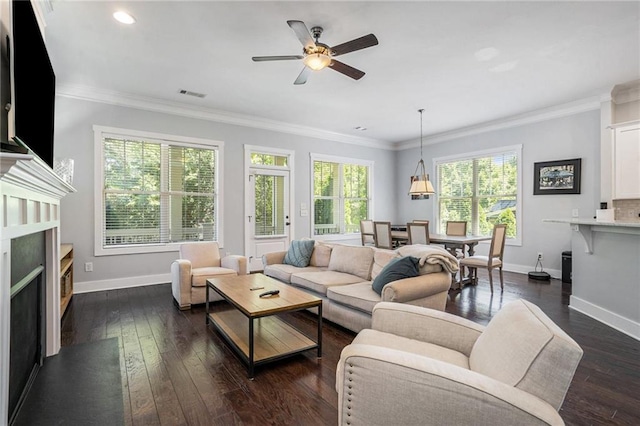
(380, 259)
(320, 281)
(358, 296)
(522, 347)
(201, 253)
(509, 344)
(397, 269)
(299, 253)
(321, 255)
(283, 272)
(199, 276)
(393, 341)
(355, 260)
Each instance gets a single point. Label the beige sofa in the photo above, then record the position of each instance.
(342, 276)
(421, 366)
(197, 262)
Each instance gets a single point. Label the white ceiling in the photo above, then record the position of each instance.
(430, 56)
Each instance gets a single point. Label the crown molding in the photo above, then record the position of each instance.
(158, 105)
(557, 111)
(631, 94)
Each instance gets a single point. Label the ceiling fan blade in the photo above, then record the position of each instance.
(356, 44)
(302, 32)
(345, 69)
(302, 78)
(276, 58)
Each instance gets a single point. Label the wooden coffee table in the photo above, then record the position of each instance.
(250, 325)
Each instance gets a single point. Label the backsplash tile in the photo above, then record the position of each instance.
(627, 209)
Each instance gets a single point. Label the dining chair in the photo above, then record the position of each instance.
(382, 235)
(418, 232)
(456, 228)
(492, 261)
(366, 232)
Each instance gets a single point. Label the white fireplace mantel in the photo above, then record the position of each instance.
(30, 194)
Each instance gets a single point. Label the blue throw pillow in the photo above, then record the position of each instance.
(397, 269)
(299, 253)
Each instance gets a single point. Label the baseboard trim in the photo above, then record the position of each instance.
(613, 320)
(117, 283)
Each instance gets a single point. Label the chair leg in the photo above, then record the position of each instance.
(491, 279)
(501, 281)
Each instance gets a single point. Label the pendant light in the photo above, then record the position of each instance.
(420, 184)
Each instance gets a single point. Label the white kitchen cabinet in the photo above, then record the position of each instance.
(626, 162)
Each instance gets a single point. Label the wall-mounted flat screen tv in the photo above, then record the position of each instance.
(34, 83)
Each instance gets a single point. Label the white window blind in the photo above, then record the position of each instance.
(341, 196)
(156, 192)
(482, 190)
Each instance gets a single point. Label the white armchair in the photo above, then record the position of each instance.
(422, 366)
(197, 262)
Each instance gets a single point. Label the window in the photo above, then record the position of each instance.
(482, 189)
(341, 194)
(154, 190)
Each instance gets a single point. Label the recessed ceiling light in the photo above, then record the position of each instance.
(360, 128)
(124, 17)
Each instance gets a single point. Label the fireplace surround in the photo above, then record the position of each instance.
(30, 194)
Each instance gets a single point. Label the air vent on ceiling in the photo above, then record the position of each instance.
(190, 93)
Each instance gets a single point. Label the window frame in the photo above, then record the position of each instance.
(99, 133)
(481, 154)
(313, 157)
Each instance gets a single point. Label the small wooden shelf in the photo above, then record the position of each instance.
(66, 276)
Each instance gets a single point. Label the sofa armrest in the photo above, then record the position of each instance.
(388, 386)
(426, 325)
(236, 262)
(275, 257)
(181, 283)
(408, 289)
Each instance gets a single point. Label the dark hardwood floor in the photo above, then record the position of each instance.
(176, 371)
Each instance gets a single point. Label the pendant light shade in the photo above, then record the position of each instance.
(420, 183)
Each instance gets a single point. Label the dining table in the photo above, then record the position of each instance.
(466, 243)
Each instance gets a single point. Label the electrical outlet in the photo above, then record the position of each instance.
(88, 267)
(574, 213)
(540, 257)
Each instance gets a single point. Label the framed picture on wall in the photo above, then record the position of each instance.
(557, 177)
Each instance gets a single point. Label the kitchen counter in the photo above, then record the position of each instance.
(586, 227)
(606, 275)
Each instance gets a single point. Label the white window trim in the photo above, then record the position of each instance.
(99, 132)
(343, 160)
(486, 153)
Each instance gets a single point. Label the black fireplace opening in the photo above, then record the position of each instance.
(27, 330)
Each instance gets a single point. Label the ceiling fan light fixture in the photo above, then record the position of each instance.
(317, 61)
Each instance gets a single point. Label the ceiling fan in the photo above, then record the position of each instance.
(317, 56)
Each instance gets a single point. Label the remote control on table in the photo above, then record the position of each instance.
(269, 293)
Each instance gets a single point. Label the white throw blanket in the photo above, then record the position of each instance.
(431, 255)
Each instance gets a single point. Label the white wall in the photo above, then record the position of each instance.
(575, 136)
(74, 139)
